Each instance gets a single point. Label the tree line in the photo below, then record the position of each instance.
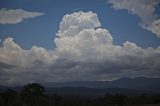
(34, 95)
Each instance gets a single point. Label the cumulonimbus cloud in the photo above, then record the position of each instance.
(14, 16)
(84, 51)
(145, 9)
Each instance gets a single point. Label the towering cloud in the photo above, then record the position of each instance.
(84, 51)
(145, 9)
(11, 16)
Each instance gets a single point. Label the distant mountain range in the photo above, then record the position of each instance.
(83, 91)
(139, 83)
(131, 86)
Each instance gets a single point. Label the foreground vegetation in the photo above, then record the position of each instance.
(145, 105)
(34, 95)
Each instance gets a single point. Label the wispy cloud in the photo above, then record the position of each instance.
(14, 16)
(144, 9)
(83, 52)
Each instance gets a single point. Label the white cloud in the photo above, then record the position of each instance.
(145, 9)
(77, 34)
(79, 19)
(12, 53)
(14, 16)
(88, 54)
(41, 54)
(154, 27)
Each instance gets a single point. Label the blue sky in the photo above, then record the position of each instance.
(78, 40)
(41, 30)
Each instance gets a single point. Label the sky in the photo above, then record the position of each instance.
(78, 40)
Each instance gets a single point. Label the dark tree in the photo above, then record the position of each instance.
(119, 99)
(57, 99)
(8, 97)
(31, 94)
(115, 100)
